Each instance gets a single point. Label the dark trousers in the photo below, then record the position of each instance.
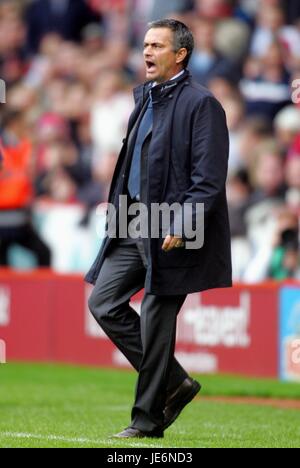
(27, 237)
(148, 340)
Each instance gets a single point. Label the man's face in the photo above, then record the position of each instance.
(162, 62)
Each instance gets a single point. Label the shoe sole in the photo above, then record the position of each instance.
(138, 437)
(189, 397)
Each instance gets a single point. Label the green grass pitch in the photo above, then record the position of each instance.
(65, 406)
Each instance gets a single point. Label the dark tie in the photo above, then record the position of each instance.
(135, 169)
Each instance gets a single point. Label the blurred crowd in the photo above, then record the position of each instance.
(69, 67)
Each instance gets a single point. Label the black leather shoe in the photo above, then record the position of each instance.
(175, 403)
(132, 433)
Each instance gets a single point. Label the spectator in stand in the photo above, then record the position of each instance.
(64, 168)
(267, 173)
(1, 157)
(292, 9)
(294, 149)
(267, 180)
(292, 175)
(287, 127)
(65, 17)
(266, 83)
(214, 9)
(253, 132)
(115, 15)
(235, 112)
(207, 62)
(238, 193)
(246, 10)
(109, 115)
(16, 192)
(13, 57)
(271, 26)
(91, 191)
(232, 40)
(277, 259)
(164, 9)
(93, 38)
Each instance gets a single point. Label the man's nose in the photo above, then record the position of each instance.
(147, 51)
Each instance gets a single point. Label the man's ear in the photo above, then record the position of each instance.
(181, 55)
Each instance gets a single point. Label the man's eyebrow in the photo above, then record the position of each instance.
(153, 43)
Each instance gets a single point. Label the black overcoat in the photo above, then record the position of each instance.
(186, 162)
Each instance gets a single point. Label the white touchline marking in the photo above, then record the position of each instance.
(79, 440)
(24, 435)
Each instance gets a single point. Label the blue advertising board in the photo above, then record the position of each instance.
(290, 333)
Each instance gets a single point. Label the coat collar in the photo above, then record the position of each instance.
(141, 92)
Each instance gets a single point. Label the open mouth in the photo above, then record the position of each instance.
(151, 67)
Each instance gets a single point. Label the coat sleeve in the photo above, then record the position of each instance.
(208, 163)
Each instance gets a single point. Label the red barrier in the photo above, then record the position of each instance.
(25, 315)
(233, 330)
(44, 317)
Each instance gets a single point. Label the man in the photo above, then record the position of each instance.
(16, 192)
(207, 63)
(176, 150)
(67, 18)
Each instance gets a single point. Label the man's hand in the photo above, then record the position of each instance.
(172, 242)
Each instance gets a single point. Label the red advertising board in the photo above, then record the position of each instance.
(231, 330)
(25, 315)
(78, 338)
(44, 317)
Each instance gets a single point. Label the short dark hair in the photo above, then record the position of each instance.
(183, 37)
